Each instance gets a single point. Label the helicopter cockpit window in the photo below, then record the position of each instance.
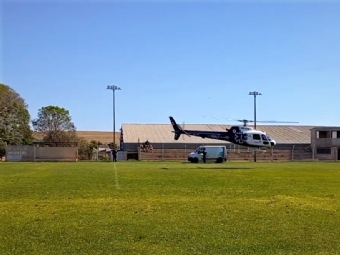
(256, 137)
(264, 137)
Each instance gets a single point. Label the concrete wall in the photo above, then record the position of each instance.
(326, 142)
(19, 153)
(56, 153)
(332, 155)
(33, 153)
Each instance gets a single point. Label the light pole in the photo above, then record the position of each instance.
(254, 93)
(114, 88)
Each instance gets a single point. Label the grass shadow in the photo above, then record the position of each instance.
(225, 167)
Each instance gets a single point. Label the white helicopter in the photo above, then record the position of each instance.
(240, 135)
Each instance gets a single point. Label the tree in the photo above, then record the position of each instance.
(14, 118)
(87, 149)
(55, 124)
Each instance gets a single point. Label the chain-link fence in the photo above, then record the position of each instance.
(234, 153)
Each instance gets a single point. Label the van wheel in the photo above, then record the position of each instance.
(219, 160)
(194, 160)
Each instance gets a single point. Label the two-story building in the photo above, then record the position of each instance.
(325, 142)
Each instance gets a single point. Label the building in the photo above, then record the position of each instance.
(325, 143)
(161, 136)
(320, 143)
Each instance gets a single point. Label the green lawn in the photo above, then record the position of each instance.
(169, 208)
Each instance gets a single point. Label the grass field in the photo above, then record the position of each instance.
(169, 208)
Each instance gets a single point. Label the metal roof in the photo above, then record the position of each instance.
(161, 133)
(332, 128)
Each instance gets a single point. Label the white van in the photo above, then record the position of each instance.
(217, 154)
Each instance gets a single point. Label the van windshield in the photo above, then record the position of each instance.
(198, 150)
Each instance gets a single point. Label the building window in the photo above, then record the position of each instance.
(323, 134)
(323, 150)
(335, 134)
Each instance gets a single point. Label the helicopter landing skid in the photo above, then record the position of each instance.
(260, 150)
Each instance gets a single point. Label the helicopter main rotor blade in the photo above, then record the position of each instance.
(252, 121)
(219, 118)
(275, 121)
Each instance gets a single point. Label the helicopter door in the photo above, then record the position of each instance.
(265, 140)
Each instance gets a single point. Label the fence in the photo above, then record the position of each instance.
(234, 153)
(34, 153)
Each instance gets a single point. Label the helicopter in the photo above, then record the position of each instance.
(239, 135)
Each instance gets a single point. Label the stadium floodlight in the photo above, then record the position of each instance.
(114, 88)
(254, 93)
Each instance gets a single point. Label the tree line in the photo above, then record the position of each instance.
(53, 124)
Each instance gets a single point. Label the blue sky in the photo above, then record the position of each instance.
(175, 58)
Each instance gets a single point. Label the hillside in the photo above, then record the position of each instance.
(102, 136)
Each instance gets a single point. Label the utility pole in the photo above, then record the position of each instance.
(114, 88)
(254, 93)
